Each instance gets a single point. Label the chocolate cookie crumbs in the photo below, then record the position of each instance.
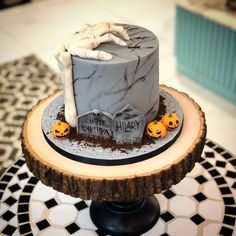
(92, 141)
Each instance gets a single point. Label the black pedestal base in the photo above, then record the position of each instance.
(125, 218)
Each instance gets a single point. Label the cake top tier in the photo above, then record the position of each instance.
(142, 43)
(119, 47)
(106, 67)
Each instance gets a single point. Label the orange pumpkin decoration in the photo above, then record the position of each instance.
(60, 129)
(170, 121)
(156, 129)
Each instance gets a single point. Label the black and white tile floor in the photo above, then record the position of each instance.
(23, 83)
(203, 203)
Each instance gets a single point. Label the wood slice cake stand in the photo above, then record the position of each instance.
(122, 195)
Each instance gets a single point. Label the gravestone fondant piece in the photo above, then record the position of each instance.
(95, 123)
(128, 125)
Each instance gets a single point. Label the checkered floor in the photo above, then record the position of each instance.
(203, 203)
(22, 83)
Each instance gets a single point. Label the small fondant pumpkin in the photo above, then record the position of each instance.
(170, 121)
(60, 129)
(156, 129)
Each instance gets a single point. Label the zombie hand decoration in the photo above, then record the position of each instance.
(90, 36)
(82, 44)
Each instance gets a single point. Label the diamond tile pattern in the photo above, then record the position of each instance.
(23, 208)
(33, 180)
(230, 220)
(24, 198)
(3, 186)
(220, 181)
(214, 172)
(200, 197)
(72, 228)
(23, 176)
(209, 154)
(6, 178)
(226, 231)
(23, 82)
(207, 165)
(28, 188)
(9, 230)
(229, 210)
(81, 205)
(169, 194)
(225, 190)
(25, 228)
(219, 149)
(14, 188)
(10, 201)
(231, 174)
(210, 144)
(227, 155)
(229, 200)
(20, 162)
(197, 219)
(220, 163)
(234, 185)
(201, 179)
(167, 216)
(50, 203)
(8, 215)
(13, 170)
(43, 224)
(23, 218)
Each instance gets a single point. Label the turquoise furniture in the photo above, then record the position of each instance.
(206, 51)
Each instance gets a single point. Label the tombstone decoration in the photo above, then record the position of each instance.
(95, 123)
(128, 125)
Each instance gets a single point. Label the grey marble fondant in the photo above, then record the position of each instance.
(130, 77)
(128, 125)
(95, 123)
(80, 148)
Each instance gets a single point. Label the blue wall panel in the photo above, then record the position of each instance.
(206, 52)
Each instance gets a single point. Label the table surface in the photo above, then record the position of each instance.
(203, 203)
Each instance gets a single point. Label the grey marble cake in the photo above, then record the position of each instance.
(130, 77)
(105, 90)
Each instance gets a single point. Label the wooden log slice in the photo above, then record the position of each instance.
(115, 183)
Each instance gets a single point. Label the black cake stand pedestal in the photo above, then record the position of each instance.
(125, 217)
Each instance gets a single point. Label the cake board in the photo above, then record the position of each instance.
(100, 151)
(119, 183)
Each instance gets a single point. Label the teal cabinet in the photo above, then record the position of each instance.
(206, 52)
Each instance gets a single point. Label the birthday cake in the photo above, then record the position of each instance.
(113, 133)
(112, 110)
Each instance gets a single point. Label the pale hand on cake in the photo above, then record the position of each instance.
(90, 36)
(82, 44)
